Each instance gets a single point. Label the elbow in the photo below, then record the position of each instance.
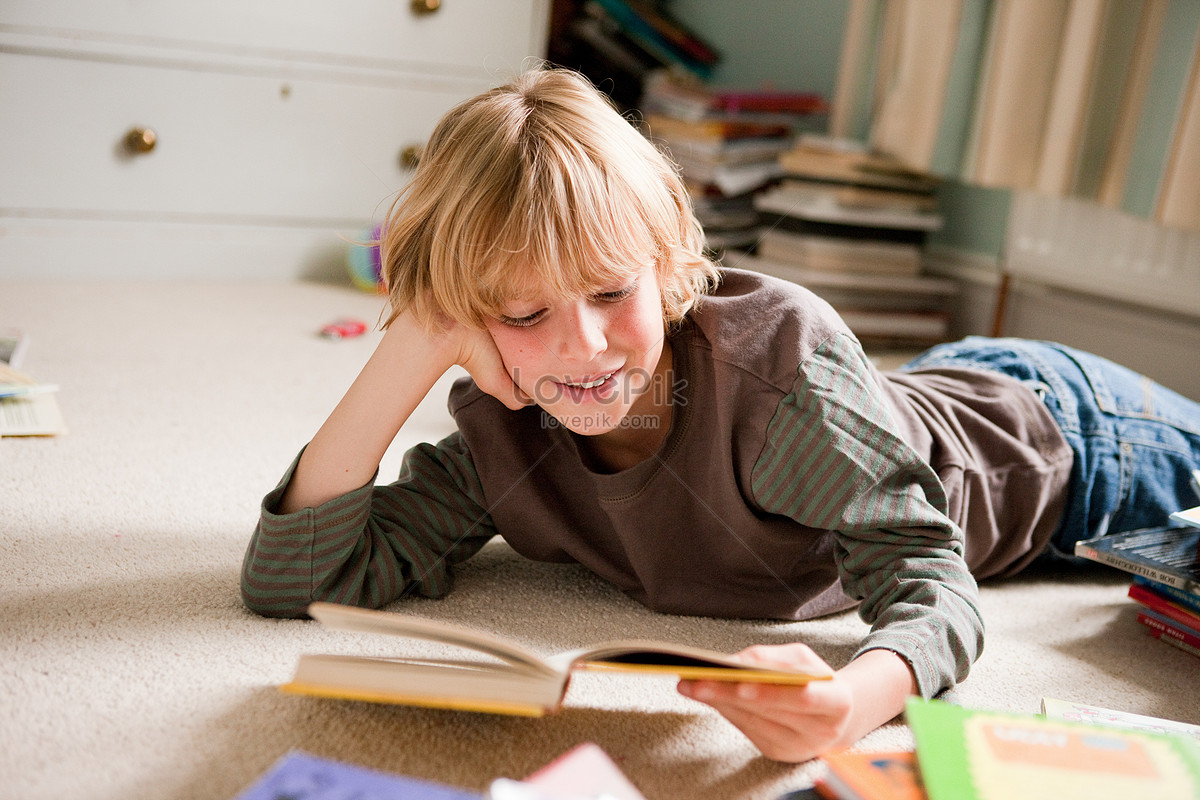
(270, 604)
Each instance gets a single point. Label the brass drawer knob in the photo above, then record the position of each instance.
(140, 140)
(410, 156)
(422, 7)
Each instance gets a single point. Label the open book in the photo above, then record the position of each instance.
(512, 681)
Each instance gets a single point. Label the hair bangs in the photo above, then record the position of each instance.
(540, 189)
(566, 231)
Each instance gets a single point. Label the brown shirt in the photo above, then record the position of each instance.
(796, 479)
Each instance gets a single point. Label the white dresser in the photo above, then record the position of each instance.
(166, 138)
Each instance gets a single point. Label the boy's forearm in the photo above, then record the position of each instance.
(881, 682)
(346, 451)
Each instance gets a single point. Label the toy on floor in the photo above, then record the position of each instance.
(363, 261)
(344, 328)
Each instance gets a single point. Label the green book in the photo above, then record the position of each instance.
(969, 754)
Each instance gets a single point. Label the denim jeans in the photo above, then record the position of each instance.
(1135, 441)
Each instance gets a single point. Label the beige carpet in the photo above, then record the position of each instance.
(131, 670)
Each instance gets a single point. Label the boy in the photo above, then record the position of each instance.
(711, 442)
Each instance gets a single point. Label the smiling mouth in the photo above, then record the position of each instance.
(592, 383)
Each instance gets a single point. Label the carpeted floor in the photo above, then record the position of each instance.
(131, 670)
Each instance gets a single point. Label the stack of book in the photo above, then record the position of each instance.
(851, 225)
(1166, 564)
(27, 406)
(1069, 751)
(619, 43)
(727, 144)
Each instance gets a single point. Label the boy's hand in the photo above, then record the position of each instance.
(796, 723)
(475, 352)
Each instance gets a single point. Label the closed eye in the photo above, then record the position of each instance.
(618, 295)
(521, 322)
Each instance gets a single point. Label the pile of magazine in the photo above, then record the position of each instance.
(1165, 562)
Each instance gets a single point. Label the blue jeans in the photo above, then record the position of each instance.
(1135, 442)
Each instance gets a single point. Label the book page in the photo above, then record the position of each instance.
(682, 661)
(362, 620)
(31, 415)
(1078, 712)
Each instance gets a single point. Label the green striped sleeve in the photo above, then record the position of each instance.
(835, 460)
(372, 545)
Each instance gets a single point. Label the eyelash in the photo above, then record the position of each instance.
(604, 297)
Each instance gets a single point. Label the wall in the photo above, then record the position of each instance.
(787, 44)
(794, 44)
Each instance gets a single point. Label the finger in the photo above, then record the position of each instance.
(781, 739)
(814, 699)
(793, 656)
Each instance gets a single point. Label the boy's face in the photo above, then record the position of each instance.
(594, 363)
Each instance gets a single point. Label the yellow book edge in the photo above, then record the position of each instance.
(423, 701)
(740, 675)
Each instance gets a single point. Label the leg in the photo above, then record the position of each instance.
(1135, 441)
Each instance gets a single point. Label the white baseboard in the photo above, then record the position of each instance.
(1160, 343)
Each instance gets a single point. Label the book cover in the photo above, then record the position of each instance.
(832, 161)
(508, 679)
(662, 35)
(1188, 516)
(821, 207)
(300, 776)
(928, 290)
(18, 384)
(1064, 710)
(1171, 632)
(964, 754)
(1156, 601)
(715, 131)
(586, 767)
(1179, 596)
(1169, 554)
(13, 344)
(818, 250)
(890, 775)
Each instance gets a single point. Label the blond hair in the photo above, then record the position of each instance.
(539, 182)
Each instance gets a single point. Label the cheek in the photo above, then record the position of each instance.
(646, 326)
(519, 350)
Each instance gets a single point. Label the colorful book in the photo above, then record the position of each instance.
(509, 680)
(968, 754)
(582, 773)
(1169, 554)
(13, 344)
(1159, 602)
(300, 776)
(888, 775)
(662, 35)
(1171, 632)
(1185, 599)
(1067, 711)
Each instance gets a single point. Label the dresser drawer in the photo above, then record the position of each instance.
(228, 146)
(465, 36)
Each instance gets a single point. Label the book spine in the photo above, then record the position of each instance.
(1160, 603)
(1164, 628)
(1184, 646)
(1179, 596)
(645, 34)
(1083, 550)
(814, 227)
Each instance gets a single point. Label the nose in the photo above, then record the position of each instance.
(580, 334)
